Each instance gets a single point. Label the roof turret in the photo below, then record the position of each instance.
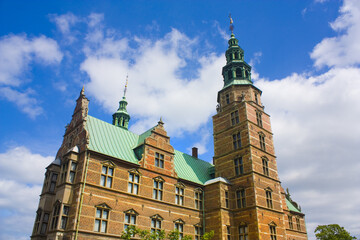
(121, 117)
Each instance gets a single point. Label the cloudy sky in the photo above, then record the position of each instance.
(305, 57)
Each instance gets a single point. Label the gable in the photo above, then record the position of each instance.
(120, 143)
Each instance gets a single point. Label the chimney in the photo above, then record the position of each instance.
(195, 152)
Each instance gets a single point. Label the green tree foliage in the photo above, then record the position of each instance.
(208, 235)
(332, 232)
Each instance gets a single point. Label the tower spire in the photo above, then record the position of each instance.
(121, 117)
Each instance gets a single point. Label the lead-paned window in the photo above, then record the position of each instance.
(228, 233)
(133, 184)
(234, 117)
(155, 225)
(64, 217)
(198, 232)
(239, 167)
(53, 182)
(241, 198)
(159, 160)
(44, 223)
(180, 227)
(179, 195)
(298, 224)
(272, 232)
(130, 218)
(265, 166)
(55, 216)
(243, 232)
(72, 172)
(259, 119)
(226, 199)
(158, 189)
(269, 199)
(107, 174)
(262, 141)
(290, 222)
(101, 220)
(198, 199)
(236, 140)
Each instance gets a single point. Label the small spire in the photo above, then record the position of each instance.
(231, 25)
(161, 123)
(126, 85)
(82, 92)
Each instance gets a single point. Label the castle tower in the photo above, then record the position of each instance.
(245, 200)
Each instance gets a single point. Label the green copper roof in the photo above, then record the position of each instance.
(110, 140)
(291, 206)
(190, 168)
(120, 143)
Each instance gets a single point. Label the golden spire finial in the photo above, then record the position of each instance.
(231, 24)
(126, 84)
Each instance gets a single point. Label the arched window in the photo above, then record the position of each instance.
(265, 166)
(230, 74)
(262, 141)
(238, 73)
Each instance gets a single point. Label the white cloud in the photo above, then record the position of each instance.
(21, 178)
(344, 49)
(17, 53)
(316, 140)
(64, 23)
(154, 69)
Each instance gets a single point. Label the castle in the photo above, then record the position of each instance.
(106, 178)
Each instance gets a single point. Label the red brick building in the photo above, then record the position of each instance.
(105, 177)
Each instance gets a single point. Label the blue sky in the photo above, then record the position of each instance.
(305, 57)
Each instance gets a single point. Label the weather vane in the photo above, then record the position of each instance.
(231, 24)
(126, 85)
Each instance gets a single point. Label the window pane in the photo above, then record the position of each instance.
(73, 166)
(153, 224)
(105, 214)
(130, 187)
(160, 185)
(137, 178)
(109, 182)
(63, 222)
(97, 225)
(102, 180)
(133, 219)
(71, 177)
(98, 213)
(111, 171)
(158, 224)
(104, 170)
(66, 210)
(131, 177)
(155, 194)
(136, 188)
(103, 226)
(160, 195)
(127, 219)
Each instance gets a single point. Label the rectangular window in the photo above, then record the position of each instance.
(240, 198)
(106, 176)
(259, 119)
(265, 167)
(272, 232)
(198, 200)
(226, 199)
(133, 185)
(101, 220)
(180, 228)
(55, 216)
(298, 224)
(64, 218)
(44, 223)
(198, 232)
(155, 225)
(37, 221)
(256, 98)
(235, 117)
(262, 141)
(130, 220)
(53, 182)
(179, 196)
(227, 98)
(269, 199)
(64, 169)
(72, 172)
(159, 160)
(239, 168)
(243, 233)
(158, 189)
(290, 222)
(228, 233)
(236, 140)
